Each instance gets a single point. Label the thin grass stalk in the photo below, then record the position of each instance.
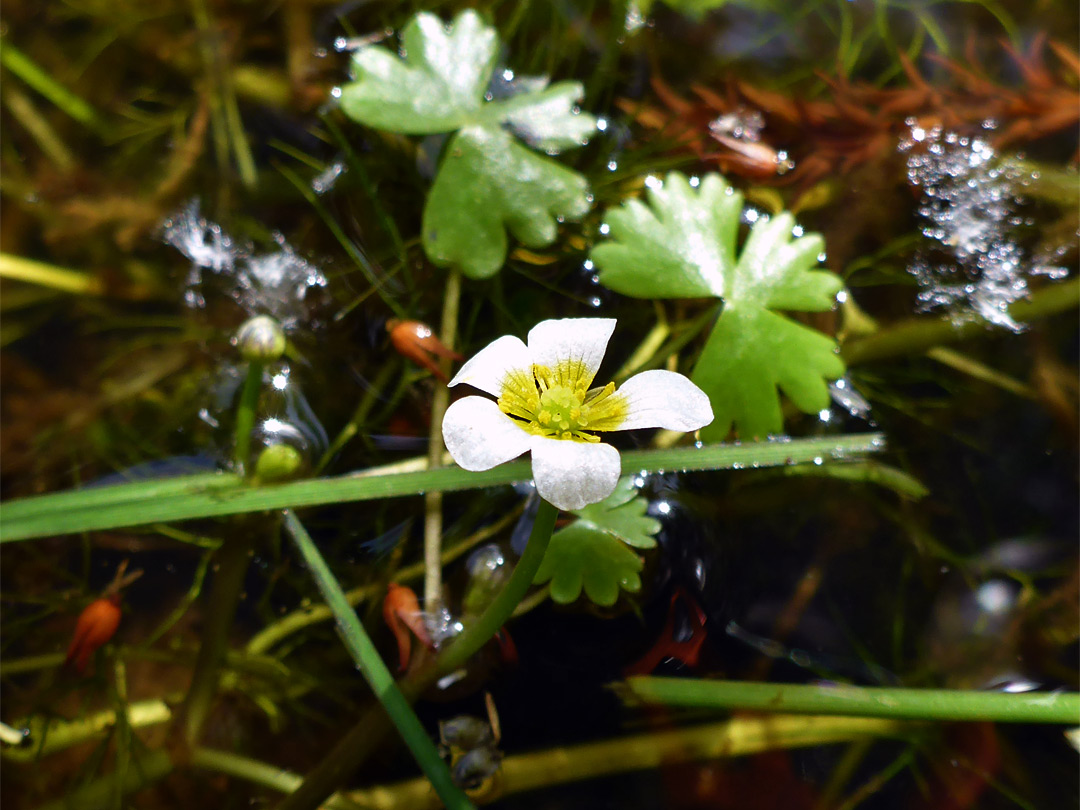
(439, 402)
(373, 669)
(204, 496)
(859, 701)
(364, 737)
(34, 75)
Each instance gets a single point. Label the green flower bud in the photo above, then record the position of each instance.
(260, 339)
(277, 462)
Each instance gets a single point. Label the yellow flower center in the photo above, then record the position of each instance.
(557, 402)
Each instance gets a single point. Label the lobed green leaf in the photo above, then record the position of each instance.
(592, 552)
(683, 245)
(487, 182)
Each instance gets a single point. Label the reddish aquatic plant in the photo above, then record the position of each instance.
(98, 621)
(417, 342)
(772, 137)
(401, 612)
(682, 644)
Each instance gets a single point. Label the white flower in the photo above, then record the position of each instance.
(545, 406)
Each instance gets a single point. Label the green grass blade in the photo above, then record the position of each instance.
(380, 680)
(34, 75)
(861, 701)
(203, 496)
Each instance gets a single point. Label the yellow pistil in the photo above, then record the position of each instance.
(557, 402)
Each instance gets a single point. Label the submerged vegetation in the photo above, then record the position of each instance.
(243, 251)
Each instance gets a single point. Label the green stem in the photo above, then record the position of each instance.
(245, 417)
(374, 670)
(861, 701)
(49, 734)
(917, 335)
(32, 73)
(433, 499)
(365, 737)
(502, 606)
(225, 592)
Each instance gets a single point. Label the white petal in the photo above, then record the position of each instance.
(479, 436)
(572, 474)
(486, 369)
(584, 339)
(664, 399)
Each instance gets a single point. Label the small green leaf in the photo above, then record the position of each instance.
(750, 353)
(592, 552)
(438, 84)
(584, 556)
(622, 514)
(487, 182)
(548, 119)
(683, 245)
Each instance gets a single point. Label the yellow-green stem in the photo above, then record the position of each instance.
(232, 565)
(433, 499)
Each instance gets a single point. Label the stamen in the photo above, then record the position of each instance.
(557, 402)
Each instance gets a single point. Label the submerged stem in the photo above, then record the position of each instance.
(502, 606)
(433, 499)
(232, 564)
(245, 417)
